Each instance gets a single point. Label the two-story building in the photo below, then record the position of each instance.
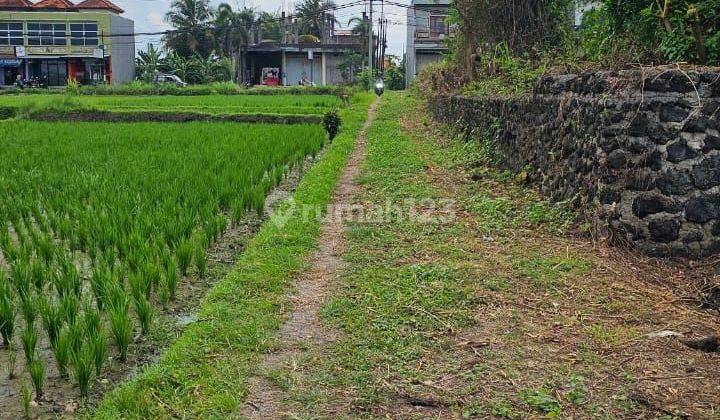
(294, 58)
(56, 41)
(427, 34)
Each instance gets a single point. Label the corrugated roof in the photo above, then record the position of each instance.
(99, 4)
(14, 4)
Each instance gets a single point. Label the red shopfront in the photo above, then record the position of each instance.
(89, 70)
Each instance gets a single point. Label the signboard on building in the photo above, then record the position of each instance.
(10, 62)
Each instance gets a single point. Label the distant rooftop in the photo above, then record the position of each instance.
(14, 4)
(99, 5)
(64, 5)
(431, 2)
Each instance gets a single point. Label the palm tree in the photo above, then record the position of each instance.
(310, 14)
(271, 26)
(361, 30)
(192, 35)
(233, 33)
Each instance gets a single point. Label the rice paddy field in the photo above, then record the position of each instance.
(102, 223)
(212, 104)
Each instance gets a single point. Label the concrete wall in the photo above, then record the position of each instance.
(122, 50)
(297, 63)
(638, 152)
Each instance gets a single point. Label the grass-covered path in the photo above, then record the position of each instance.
(302, 327)
(464, 294)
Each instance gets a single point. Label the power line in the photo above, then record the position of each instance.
(211, 28)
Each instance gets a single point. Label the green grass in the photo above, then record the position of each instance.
(138, 88)
(414, 294)
(203, 373)
(210, 104)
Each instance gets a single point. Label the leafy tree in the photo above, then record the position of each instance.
(232, 33)
(179, 65)
(192, 33)
(148, 63)
(199, 70)
(271, 25)
(679, 30)
(395, 74)
(361, 29)
(310, 15)
(352, 63)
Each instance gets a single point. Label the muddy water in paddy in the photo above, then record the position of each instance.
(61, 396)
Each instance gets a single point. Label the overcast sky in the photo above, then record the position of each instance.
(148, 16)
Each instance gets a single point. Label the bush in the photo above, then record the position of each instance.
(643, 31)
(395, 78)
(364, 78)
(331, 122)
(7, 112)
(138, 88)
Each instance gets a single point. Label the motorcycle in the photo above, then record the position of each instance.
(379, 86)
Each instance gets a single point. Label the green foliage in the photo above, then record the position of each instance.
(192, 35)
(11, 362)
(62, 349)
(648, 31)
(73, 87)
(98, 348)
(507, 75)
(542, 400)
(29, 338)
(52, 319)
(171, 278)
(36, 368)
(332, 122)
(351, 65)
(247, 298)
(310, 15)
(7, 112)
(364, 78)
(26, 398)
(183, 252)
(29, 307)
(120, 324)
(140, 88)
(200, 257)
(144, 311)
(149, 63)
(395, 78)
(83, 362)
(7, 310)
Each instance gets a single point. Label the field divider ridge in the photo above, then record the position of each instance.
(204, 372)
(172, 117)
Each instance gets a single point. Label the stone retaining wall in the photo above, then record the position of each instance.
(640, 150)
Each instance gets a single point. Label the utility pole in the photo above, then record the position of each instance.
(370, 47)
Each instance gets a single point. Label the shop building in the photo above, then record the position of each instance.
(292, 59)
(56, 41)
